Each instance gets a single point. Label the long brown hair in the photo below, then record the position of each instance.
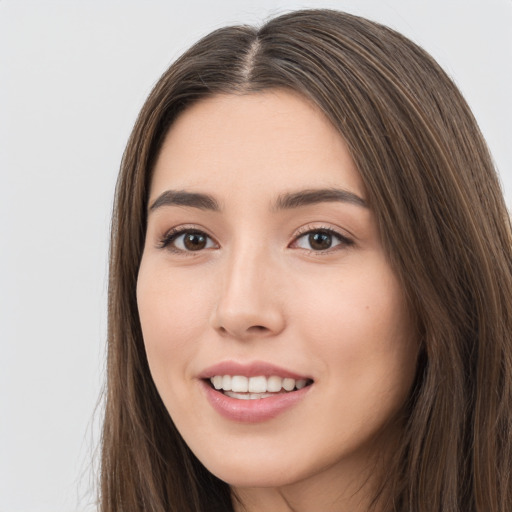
(432, 186)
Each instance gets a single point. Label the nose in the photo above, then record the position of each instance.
(250, 301)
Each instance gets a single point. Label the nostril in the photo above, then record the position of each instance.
(257, 328)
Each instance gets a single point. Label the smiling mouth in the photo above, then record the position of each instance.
(255, 388)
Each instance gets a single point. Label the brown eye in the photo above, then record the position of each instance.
(194, 241)
(320, 241)
(188, 241)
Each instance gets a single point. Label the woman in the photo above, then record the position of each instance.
(311, 274)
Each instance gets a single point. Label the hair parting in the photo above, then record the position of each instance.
(433, 188)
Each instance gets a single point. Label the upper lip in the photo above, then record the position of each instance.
(252, 369)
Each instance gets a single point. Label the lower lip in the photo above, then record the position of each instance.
(252, 411)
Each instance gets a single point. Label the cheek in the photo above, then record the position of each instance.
(353, 309)
(360, 330)
(172, 314)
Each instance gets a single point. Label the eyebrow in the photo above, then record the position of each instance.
(183, 198)
(286, 201)
(314, 196)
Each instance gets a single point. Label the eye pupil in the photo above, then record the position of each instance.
(194, 241)
(320, 241)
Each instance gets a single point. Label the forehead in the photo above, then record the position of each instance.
(274, 139)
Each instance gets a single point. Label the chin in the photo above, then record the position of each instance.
(264, 476)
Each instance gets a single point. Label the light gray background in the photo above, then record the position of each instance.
(73, 76)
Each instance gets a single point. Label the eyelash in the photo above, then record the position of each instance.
(309, 230)
(172, 235)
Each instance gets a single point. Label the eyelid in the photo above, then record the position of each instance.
(166, 240)
(345, 241)
(170, 235)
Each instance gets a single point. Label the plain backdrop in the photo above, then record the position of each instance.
(73, 75)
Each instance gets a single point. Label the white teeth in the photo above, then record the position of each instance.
(274, 384)
(257, 385)
(300, 383)
(260, 386)
(226, 382)
(248, 396)
(239, 384)
(288, 384)
(217, 381)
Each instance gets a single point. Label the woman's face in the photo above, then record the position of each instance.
(263, 275)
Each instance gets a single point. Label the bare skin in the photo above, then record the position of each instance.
(261, 247)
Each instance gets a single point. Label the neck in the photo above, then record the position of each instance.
(351, 485)
(331, 490)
